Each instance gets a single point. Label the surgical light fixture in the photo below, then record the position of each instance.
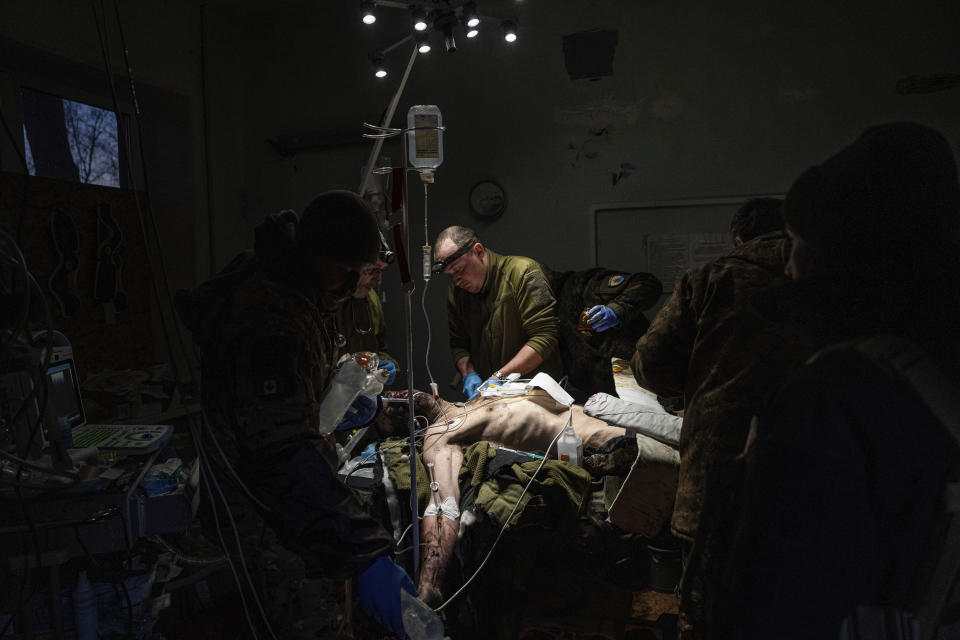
(448, 42)
(509, 30)
(423, 42)
(368, 11)
(445, 22)
(470, 17)
(442, 16)
(419, 19)
(378, 69)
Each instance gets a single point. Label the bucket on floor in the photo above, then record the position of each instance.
(665, 568)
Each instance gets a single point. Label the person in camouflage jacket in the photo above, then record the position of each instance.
(586, 355)
(264, 328)
(713, 344)
(360, 320)
(845, 529)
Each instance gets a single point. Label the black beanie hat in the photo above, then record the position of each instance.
(892, 192)
(339, 225)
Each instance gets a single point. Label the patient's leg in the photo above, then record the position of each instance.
(528, 423)
(438, 539)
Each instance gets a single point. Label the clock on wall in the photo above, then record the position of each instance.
(487, 200)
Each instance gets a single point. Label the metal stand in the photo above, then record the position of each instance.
(382, 132)
(403, 243)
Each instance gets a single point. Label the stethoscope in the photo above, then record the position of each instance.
(341, 339)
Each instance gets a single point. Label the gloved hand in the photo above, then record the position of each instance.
(600, 318)
(471, 382)
(386, 365)
(360, 413)
(489, 381)
(379, 589)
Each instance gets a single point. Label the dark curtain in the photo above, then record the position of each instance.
(44, 122)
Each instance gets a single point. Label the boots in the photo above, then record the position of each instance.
(439, 538)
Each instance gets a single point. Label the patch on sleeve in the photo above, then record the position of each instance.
(273, 367)
(615, 281)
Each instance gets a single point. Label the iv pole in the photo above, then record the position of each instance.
(385, 131)
(388, 116)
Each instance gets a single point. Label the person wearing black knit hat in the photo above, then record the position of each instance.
(264, 327)
(848, 461)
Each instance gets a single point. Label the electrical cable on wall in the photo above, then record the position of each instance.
(13, 254)
(164, 299)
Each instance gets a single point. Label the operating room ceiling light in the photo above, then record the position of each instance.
(423, 42)
(368, 11)
(448, 41)
(470, 17)
(419, 19)
(442, 16)
(379, 70)
(509, 30)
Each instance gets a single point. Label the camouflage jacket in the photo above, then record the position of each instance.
(712, 344)
(586, 358)
(267, 353)
(843, 503)
(362, 325)
(515, 307)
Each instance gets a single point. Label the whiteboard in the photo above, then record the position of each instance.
(665, 238)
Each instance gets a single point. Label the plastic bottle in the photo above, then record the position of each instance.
(374, 383)
(570, 447)
(85, 609)
(420, 622)
(346, 385)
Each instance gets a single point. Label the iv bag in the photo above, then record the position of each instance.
(425, 140)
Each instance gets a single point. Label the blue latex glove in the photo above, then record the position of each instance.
(360, 413)
(600, 318)
(471, 383)
(488, 382)
(379, 588)
(369, 452)
(386, 365)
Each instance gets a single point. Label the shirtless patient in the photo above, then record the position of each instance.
(528, 423)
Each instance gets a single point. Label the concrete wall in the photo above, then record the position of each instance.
(53, 45)
(706, 100)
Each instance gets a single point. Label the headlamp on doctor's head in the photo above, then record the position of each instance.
(440, 265)
(386, 255)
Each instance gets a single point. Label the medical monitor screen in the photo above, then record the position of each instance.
(63, 395)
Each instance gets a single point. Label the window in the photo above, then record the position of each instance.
(72, 141)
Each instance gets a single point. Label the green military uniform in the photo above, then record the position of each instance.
(586, 358)
(362, 325)
(267, 351)
(712, 344)
(515, 307)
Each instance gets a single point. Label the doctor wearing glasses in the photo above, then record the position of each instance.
(502, 314)
(360, 319)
